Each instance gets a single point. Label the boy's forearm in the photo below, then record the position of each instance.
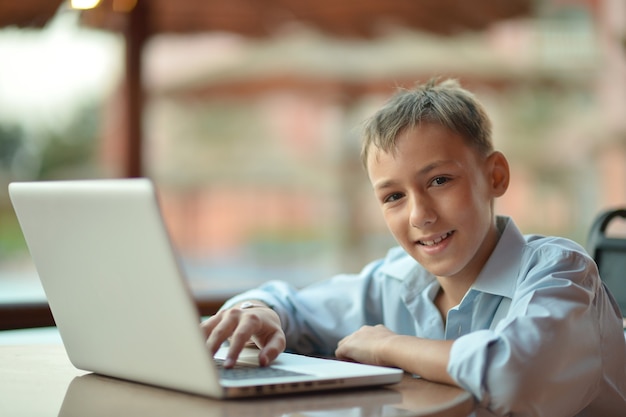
(424, 357)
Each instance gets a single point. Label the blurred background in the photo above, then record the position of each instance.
(246, 115)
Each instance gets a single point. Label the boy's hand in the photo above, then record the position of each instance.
(366, 345)
(259, 324)
(380, 346)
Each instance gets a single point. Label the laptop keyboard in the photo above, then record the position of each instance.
(243, 371)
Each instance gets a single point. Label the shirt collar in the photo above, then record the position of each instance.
(398, 264)
(499, 275)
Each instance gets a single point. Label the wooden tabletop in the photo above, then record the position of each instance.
(39, 380)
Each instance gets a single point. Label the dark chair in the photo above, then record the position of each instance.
(610, 255)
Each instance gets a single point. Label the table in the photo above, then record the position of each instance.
(39, 380)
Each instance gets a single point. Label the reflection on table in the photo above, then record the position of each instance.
(39, 380)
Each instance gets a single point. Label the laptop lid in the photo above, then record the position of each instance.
(119, 298)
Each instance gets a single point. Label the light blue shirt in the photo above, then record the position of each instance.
(537, 334)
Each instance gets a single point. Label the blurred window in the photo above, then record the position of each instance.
(254, 144)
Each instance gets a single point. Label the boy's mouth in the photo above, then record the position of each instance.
(436, 240)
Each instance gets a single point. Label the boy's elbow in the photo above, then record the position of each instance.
(539, 391)
(509, 393)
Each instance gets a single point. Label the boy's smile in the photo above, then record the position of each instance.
(436, 193)
(435, 241)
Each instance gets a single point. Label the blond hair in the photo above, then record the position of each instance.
(444, 103)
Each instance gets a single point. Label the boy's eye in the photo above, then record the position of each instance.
(439, 181)
(392, 197)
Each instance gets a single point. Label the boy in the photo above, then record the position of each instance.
(522, 322)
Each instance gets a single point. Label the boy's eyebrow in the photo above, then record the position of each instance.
(433, 165)
(425, 170)
(381, 185)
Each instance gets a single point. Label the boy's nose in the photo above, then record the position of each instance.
(422, 213)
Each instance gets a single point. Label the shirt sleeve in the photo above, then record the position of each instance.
(544, 358)
(316, 317)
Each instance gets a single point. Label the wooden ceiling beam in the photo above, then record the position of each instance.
(349, 18)
(27, 13)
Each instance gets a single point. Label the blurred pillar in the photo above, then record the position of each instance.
(135, 36)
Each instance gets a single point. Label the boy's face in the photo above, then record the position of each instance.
(436, 194)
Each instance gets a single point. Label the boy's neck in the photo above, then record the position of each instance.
(451, 293)
(454, 288)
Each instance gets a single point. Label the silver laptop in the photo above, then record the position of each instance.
(122, 306)
(91, 395)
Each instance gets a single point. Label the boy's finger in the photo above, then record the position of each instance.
(237, 343)
(220, 333)
(272, 349)
(208, 325)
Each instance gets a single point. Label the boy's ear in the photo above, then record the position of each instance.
(499, 174)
